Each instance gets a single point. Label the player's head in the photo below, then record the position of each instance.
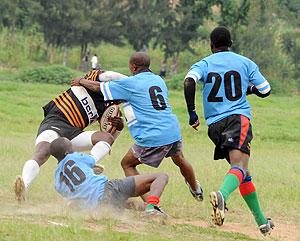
(60, 147)
(220, 38)
(139, 62)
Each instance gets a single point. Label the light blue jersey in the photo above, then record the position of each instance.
(148, 112)
(75, 180)
(225, 77)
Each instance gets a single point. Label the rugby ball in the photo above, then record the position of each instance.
(111, 111)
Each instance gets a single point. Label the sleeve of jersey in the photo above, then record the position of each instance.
(195, 72)
(115, 90)
(259, 81)
(89, 160)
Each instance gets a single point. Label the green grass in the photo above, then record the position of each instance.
(275, 167)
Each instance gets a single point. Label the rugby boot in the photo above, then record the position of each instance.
(19, 188)
(154, 210)
(219, 207)
(266, 229)
(197, 195)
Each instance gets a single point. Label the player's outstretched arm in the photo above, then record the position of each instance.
(189, 94)
(89, 84)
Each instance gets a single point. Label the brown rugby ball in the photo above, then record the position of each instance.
(111, 111)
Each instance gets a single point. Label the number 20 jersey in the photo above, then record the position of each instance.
(225, 77)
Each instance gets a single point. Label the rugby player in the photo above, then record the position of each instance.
(227, 78)
(153, 126)
(76, 181)
(66, 116)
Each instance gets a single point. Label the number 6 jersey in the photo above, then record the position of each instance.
(147, 111)
(225, 77)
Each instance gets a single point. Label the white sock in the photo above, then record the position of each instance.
(30, 171)
(100, 149)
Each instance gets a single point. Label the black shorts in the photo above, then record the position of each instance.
(232, 132)
(117, 191)
(58, 124)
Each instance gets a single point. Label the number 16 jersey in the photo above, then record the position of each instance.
(225, 77)
(147, 110)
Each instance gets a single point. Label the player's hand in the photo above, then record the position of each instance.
(194, 120)
(116, 122)
(76, 81)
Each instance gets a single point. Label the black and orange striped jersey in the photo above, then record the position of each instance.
(79, 106)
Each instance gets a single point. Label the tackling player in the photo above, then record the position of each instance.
(227, 78)
(150, 120)
(66, 116)
(75, 180)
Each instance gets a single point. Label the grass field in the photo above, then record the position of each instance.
(275, 166)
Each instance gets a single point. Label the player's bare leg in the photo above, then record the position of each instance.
(31, 170)
(129, 163)
(153, 185)
(188, 173)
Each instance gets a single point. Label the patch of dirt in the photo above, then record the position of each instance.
(282, 231)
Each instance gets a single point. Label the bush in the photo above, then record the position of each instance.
(53, 74)
(176, 82)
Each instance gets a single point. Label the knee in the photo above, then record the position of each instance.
(102, 136)
(125, 163)
(179, 159)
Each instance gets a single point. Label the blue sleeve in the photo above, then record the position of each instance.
(116, 89)
(87, 159)
(257, 79)
(197, 71)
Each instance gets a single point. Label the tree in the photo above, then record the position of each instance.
(178, 27)
(140, 21)
(79, 22)
(234, 15)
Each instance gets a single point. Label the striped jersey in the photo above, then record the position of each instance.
(79, 106)
(225, 77)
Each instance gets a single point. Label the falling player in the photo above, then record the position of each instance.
(66, 116)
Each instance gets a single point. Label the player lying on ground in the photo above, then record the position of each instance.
(150, 120)
(66, 116)
(227, 78)
(75, 180)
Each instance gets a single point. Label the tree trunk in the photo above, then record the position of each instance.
(174, 67)
(84, 57)
(52, 54)
(65, 55)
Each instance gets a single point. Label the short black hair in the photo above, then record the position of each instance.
(220, 37)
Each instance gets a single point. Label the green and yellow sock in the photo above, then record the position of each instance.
(248, 191)
(232, 180)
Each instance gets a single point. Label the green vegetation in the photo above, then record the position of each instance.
(274, 165)
(54, 74)
(175, 33)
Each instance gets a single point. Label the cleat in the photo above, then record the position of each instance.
(19, 188)
(197, 195)
(153, 210)
(266, 229)
(219, 207)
